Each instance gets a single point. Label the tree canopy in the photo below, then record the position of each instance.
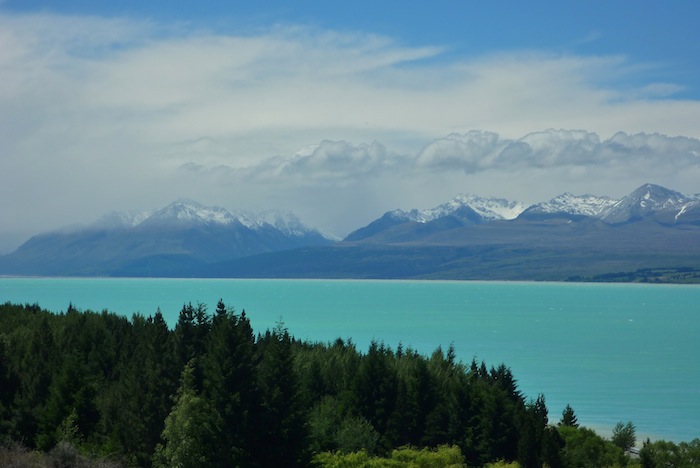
(210, 392)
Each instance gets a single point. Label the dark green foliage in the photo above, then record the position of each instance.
(8, 388)
(568, 418)
(189, 436)
(584, 448)
(281, 422)
(663, 454)
(375, 389)
(230, 377)
(190, 333)
(211, 393)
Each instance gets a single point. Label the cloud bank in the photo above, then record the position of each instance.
(99, 114)
(349, 184)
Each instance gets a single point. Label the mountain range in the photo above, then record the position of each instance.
(651, 234)
(168, 242)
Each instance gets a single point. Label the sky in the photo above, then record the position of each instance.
(338, 111)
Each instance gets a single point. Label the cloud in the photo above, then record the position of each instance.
(565, 160)
(118, 113)
(330, 162)
(478, 151)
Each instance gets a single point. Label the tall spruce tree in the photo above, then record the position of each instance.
(375, 389)
(281, 423)
(191, 331)
(230, 383)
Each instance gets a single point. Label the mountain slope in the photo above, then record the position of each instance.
(648, 200)
(462, 210)
(565, 238)
(570, 236)
(501, 250)
(569, 206)
(168, 242)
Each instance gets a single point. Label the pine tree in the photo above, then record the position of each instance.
(191, 330)
(531, 433)
(282, 436)
(140, 400)
(568, 418)
(230, 383)
(375, 389)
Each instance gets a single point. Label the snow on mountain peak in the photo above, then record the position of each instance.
(647, 199)
(185, 211)
(284, 221)
(489, 209)
(657, 197)
(586, 205)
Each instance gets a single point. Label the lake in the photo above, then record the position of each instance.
(614, 352)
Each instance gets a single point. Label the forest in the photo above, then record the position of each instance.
(84, 388)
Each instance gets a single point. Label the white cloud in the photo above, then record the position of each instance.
(109, 114)
(478, 151)
(336, 178)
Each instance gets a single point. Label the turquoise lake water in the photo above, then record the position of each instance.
(613, 352)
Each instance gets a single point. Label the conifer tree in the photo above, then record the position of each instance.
(70, 391)
(190, 334)
(230, 383)
(533, 424)
(375, 388)
(281, 424)
(142, 397)
(35, 374)
(568, 418)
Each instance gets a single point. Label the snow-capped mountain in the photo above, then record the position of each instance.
(284, 221)
(650, 200)
(185, 212)
(567, 236)
(488, 209)
(461, 210)
(577, 205)
(655, 238)
(664, 206)
(172, 241)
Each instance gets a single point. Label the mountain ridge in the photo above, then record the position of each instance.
(649, 200)
(169, 241)
(468, 237)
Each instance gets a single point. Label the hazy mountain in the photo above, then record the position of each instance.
(569, 237)
(167, 242)
(653, 229)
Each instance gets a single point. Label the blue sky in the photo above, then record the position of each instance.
(661, 34)
(338, 111)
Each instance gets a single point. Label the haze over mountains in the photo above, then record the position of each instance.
(469, 237)
(168, 242)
